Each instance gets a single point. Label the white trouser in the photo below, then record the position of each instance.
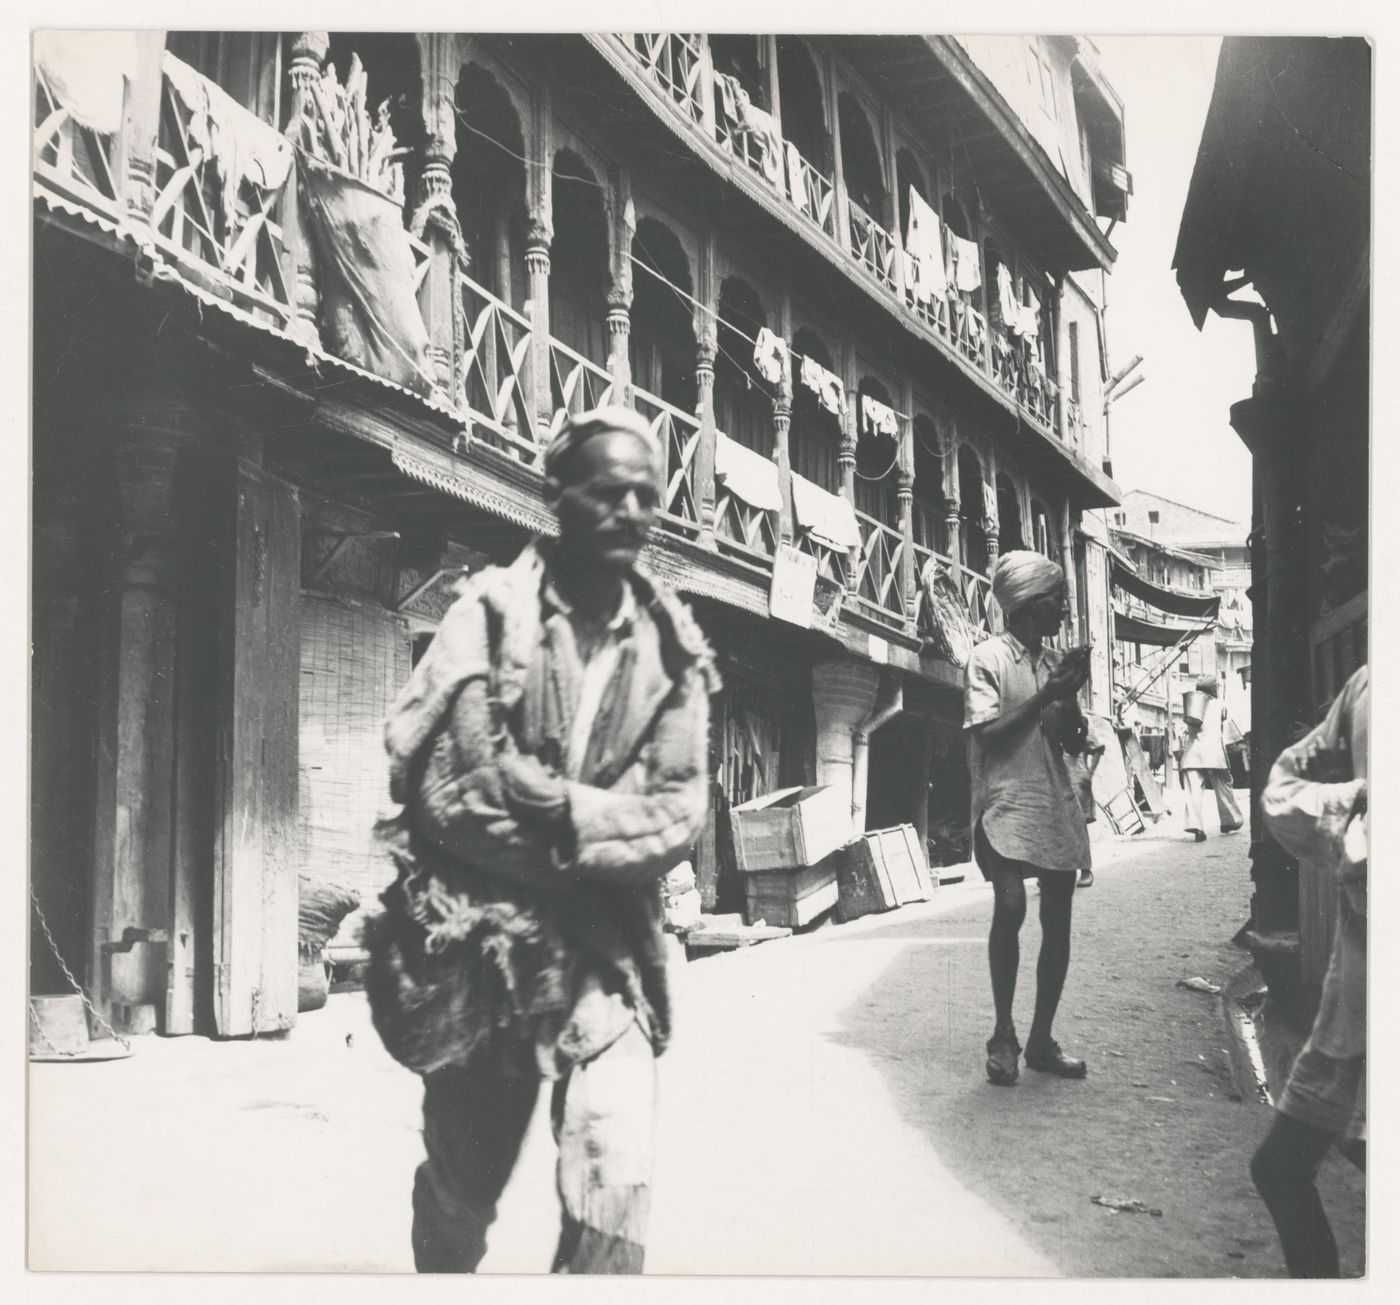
(1219, 780)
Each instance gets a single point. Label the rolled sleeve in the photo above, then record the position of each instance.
(981, 690)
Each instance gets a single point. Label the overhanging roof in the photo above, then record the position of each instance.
(1130, 629)
(1160, 597)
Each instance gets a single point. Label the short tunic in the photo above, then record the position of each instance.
(1021, 788)
(1205, 747)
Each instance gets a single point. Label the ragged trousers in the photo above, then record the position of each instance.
(475, 1118)
(1197, 781)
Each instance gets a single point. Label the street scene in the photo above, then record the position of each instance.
(629, 627)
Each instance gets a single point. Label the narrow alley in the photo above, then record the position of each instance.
(824, 1111)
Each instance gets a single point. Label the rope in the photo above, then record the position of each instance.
(76, 986)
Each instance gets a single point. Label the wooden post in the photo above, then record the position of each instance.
(775, 90)
(704, 467)
(782, 426)
(846, 460)
(134, 149)
(308, 53)
(838, 171)
(707, 87)
(904, 490)
(539, 234)
(623, 226)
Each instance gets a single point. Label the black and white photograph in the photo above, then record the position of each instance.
(724, 654)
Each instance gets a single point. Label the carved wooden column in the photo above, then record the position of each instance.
(135, 145)
(539, 234)
(782, 426)
(703, 471)
(623, 226)
(434, 217)
(838, 171)
(952, 525)
(707, 86)
(846, 461)
(904, 492)
(307, 55)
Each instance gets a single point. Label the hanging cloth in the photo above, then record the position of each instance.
(923, 242)
(831, 394)
(826, 517)
(770, 356)
(761, 125)
(797, 178)
(87, 72)
(728, 87)
(1030, 317)
(968, 276)
(1006, 299)
(879, 418)
(746, 474)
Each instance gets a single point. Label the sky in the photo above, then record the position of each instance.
(1171, 434)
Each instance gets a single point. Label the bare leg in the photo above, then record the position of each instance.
(1004, 943)
(1284, 1168)
(1056, 903)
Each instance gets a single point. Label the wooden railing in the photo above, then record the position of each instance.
(740, 144)
(1017, 368)
(673, 61)
(678, 436)
(71, 158)
(812, 194)
(576, 383)
(495, 366)
(216, 229)
(832, 563)
(872, 246)
(738, 523)
(934, 310)
(879, 569)
(974, 588)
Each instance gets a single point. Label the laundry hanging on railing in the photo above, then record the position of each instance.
(87, 73)
(797, 179)
(828, 518)
(968, 275)
(755, 122)
(770, 355)
(1007, 302)
(241, 146)
(831, 394)
(369, 305)
(923, 242)
(727, 87)
(1028, 322)
(746, 474)
(878, 418)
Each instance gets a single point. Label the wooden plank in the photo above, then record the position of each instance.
(257, 853)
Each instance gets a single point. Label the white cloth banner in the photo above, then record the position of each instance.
(770, 353)
(831, 394)
(879, 417)
(87, 73)
(923, 242)
(747, 475)
(968, 276)
(828, 518)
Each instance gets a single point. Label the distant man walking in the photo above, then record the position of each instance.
(1026, 817)
(1204, 765)
(550, 751)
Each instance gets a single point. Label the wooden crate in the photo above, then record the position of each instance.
(881, 870)
(790, 828)
(791, 898)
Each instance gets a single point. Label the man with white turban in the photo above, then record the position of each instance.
(1026, 818)
(1204, 765)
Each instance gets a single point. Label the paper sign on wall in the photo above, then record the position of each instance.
(794, 586)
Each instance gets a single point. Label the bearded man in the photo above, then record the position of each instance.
(550, 751)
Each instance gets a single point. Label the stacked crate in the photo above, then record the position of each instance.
(788, 845)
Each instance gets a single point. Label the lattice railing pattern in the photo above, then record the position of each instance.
(873, 246)
(576, 383)
(76, 159)
(672, 59)
(225, 230)
(879, 565)
(678, 435)
(741, 523)
(975, 588)
(811, 193)
(496, 365)
(832, 563)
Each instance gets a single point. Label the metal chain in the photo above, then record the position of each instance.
(68, 974)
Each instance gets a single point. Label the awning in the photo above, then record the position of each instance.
(1131, 630)
(1166, 600)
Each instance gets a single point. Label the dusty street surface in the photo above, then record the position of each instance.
(824, 1110)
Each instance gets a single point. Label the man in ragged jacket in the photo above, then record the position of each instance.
(550, 751)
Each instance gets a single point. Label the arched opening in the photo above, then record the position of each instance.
(488, 185)
(862, 164)
(877, 460)
(1010, 533)
(955, 216)
(578, 264)
(972, 510)
(928, 508)
(662, 339)
(814, 439)
(908, 173)
(740, 57)
(743, 400)
(802, 104)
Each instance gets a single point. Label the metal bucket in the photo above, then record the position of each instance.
(1193, 706)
